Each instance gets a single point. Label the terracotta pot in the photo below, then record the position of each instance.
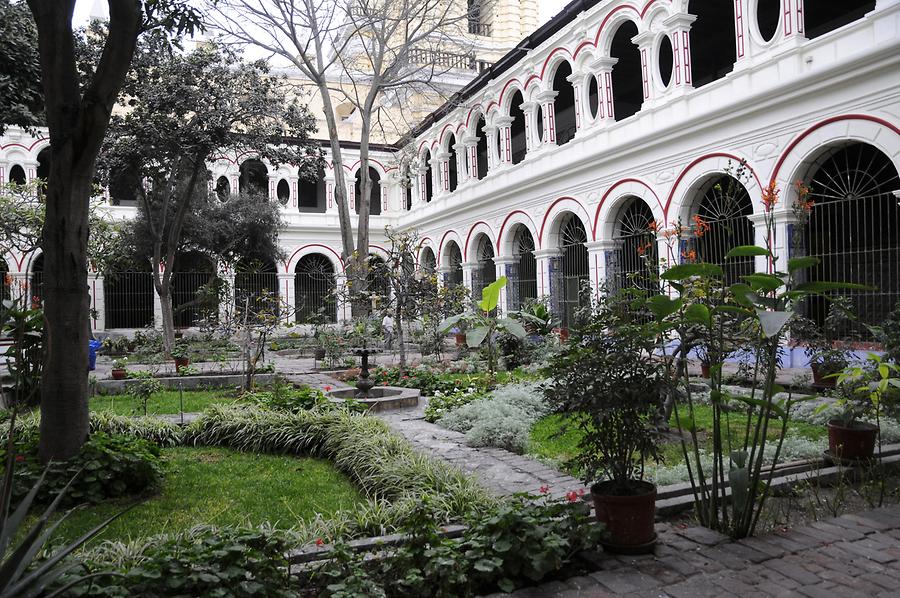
(119, 374)
(704, 370)
(820, 376)
(853, 443)
(182, 362)
(460, 339)
(629, 518)
(320, 354)
(563, 333)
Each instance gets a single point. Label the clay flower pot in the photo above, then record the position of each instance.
(821, 375)
(182, 362)
(704, 369)
(460, 339)
(629, 518)
(855, 442)
(119, 374)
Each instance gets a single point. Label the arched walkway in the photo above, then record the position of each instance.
(254, 178)
(427, 261)
(486, 272)
(193, 271)
(223, 188)
(722, 206)
(453, 260)
(854, 229)
(311, 193)
(481, 149)
(452, 174)
(256, 288)
(564, 104)
(568, 280)
(374, 192)
(518, 144)
(128, 296)
(636, 254)
(523, 278)
(314, 284)
(627, 78)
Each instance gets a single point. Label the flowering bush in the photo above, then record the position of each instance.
(443, 403)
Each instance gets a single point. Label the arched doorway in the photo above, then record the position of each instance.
(486, 271)
(193, 273)
(723, 209)
(854, 229)
(314, 282)
(429, 177)
(637, 257)
(378, 284)
(454, 263)
(627, 76)
(523, 287)
(572, 274)
(427, 261)
(17, 175)
(43, 167)
(311, 193)
(452, 174)
(254, 178)
(823, 17)
(129, 297)
(223, 188)
(518, 145)
(374, 192)
(36, 280)
(564, 105)
(481, 149)
(256, 288)
(713, 48)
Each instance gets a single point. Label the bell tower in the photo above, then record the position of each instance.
(496, 26)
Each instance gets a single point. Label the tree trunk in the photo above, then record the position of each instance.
(399, 325)
(77, 127)
(168, 321)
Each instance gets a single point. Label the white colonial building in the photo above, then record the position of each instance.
(573, 155)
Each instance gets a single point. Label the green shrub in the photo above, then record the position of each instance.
(158, 431)
(286, 397)
(426, 380)
(503, 419)
(106, 467)
(442, 403)
(227, 563)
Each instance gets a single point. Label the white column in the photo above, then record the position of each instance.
(421, 190)
(582, 103)
(384, 191)
(436, 183)
(471, 149)
(443, 276)
(504, 126)
(532, 126)
(504, 268)
(344, 312)
(543, 259)
(227, 306)
(469, 269)
(792, 21)
(548, 111)
(493, 145)
(443, 159)
(602, 68)
(287, 296)
(98, 301)
(679, 27)
(644, 42)
(601, 262)
(460, 151)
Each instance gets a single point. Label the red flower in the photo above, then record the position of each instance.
(20, 458)
(544, 489)
(320, 542)
(327, 388)
(572, 496)
(581, 492)
(770, 196)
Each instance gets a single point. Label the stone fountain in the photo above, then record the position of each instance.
(377, 398)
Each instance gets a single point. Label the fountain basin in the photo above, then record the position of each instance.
(381, 398)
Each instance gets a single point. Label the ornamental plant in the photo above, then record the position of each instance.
(483, 323)
(764, 303)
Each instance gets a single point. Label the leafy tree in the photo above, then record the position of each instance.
(78, 106)
(21, 98)
(184, 110)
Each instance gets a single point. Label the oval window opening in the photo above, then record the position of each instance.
(594, 96)
(768, 12)
(284, 192)
(666, 57)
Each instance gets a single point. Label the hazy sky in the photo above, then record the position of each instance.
(83, 9)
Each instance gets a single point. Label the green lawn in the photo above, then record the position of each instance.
(162, 402)
(224, 487)
(548, 443)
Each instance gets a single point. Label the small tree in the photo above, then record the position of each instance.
(184, 110)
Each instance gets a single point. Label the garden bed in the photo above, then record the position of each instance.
(201, 381)
(162, 403)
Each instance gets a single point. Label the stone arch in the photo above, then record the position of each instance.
(614, 199)
(555, 217)
(680, 203)
(505, 240)
(517, 129)
(451, 260)
(315, 282)
(452, 165)
(427, 259)
(254, 177)
(374, 192)
(482, 254)
(333, 255)
(564, 105)
(479, 228)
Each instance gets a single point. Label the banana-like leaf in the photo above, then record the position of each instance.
(490, 295)
(662, 306)
(801, 263)
(765, 282)
(747, 251)
(685, 271)
(512, 327)
(450, 322)
(476, 336)
(773, 321)
(698, 313)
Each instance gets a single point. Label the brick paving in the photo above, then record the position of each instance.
(849, 556)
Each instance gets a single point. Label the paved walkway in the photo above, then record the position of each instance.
(850, 556)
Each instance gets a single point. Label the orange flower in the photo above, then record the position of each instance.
(700, 226)
(689, 256)
(652, 226)
(804, 202)
(770, 196)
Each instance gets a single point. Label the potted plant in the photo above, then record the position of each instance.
(118, 369)
(181, 354)
(826, 358)
(610, 377)
(861, 388)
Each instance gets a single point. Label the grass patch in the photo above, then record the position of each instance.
(547, 442)
(220, 486)
(165, 402)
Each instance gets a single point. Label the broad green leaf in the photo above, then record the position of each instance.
(512, 327)
(776, 409)
(743, 294)
(765, 282)
(801, 263)
(476, 336)
(490, 295)
(734, 309)
(773, 321)
(821, 286)
(450, 322)
(663, 306)
(685, 271)
(747, 251)
(699, 313)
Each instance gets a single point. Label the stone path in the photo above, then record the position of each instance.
(500, 471)
(850, 556)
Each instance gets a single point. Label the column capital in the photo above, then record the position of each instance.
(603, 245)
(459, 146)
(576, 77)
(644, 40)
(470, 140)
(543, 254)
(528, 106)
(470, 265)
(605, 63)
(505, 260)
(680, 20)
(502, 121)
(547, 96)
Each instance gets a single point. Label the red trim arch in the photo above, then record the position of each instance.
(469, 235)
(287, 264)
(696, 161)
(505, 87)
(787, 151)
(26, 148)
(619, 184)
(506, 220)
(550, 56)
(472, 110)
(587, 216)
(441, 245)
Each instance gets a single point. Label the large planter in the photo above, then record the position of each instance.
(704, 370)
(460, 339)
(119, 374)
(182, 362)
(629, 518)
(563, 333)
(852, 443)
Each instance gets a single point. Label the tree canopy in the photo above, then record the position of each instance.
(21, 95)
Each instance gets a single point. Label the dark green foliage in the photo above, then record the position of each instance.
(522, 541)
(426, 380)
(286, 397)
(609, 373)
(888, 334)
(21, 94)
(442, 403)
(225, 563)
(24, 357)
(106, 467)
